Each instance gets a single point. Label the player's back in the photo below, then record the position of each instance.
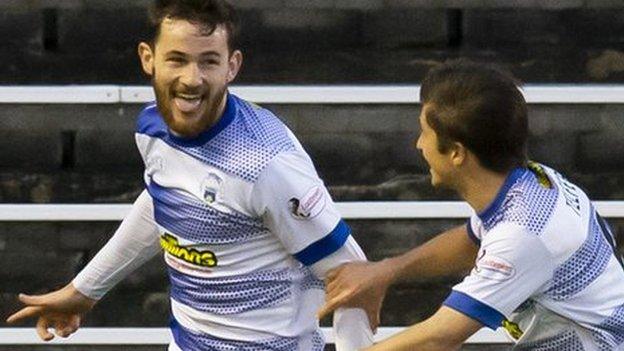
(547, 269)
(588, 281)
(586, 285)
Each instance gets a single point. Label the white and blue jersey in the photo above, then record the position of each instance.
(547, 269)
(241, 214)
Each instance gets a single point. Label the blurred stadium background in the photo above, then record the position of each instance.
(83, 152)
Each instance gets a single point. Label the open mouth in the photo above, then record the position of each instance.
(187, 103)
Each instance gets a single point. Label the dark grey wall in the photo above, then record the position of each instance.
(376, 141)
(327, 41)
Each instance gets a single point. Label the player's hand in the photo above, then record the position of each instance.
(61, 310)
(362, 285)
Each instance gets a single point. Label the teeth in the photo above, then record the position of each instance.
(188, 96)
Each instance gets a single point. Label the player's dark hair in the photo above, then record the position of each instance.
(209, 14)
(481, 107)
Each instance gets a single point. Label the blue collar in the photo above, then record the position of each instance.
(511, 179)
(229, 113)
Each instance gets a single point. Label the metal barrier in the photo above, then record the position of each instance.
(161, 336)
(298, 94)
(349, 210)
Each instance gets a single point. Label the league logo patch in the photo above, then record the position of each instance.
(309, 206)
(495, 268)
(210, 188)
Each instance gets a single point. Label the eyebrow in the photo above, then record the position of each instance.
(203, 54)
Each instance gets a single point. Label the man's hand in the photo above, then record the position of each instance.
(362, 285)
(61, 310)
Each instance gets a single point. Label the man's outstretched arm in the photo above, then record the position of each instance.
(446, 330)
(134, 242)
(365, 284)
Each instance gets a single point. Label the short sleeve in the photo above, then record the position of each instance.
(512, 265)
(297, 208)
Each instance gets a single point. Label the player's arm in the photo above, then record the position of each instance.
(364, 284)
(134, 242)
(352, 328)
(298, 209)
(451, 253)
(446, 330)
(514, 265)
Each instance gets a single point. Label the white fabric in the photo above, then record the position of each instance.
(134, 242)
(291, 176)
(544, 264)
(530, 267)
(221, 222)
(351, 328)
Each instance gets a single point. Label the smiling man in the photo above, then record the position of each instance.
(543, 263)
(246, 227)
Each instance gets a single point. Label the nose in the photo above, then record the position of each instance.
(191, 75)
(417, 143)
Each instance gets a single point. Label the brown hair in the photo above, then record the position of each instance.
(481, 107)
(207, 13)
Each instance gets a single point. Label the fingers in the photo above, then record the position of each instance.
(33, 300)
(332, 288)
(66, 327)
(74, 322)
(26, 312)
(373, 319)
(331, 275)
(334, 285)
(324, 311)
(333, 303)
(42, 330)
(62, 328)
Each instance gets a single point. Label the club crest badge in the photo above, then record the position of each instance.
(210, 188)
(309, 206)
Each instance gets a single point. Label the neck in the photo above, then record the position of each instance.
(480, 188)
(218, 113)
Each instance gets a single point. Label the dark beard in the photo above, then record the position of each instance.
(188, 129)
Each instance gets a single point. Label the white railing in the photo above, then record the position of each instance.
(161, 336)
(293, 94)
(349, 210)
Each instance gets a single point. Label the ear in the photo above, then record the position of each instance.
(459, 154)
(147, 58)
(234, 65)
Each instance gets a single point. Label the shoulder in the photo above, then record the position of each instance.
(252, 141)
(264, 127)
(529, 203)
(149, 121)
(245, 145)
(294, 164)
(515, 243)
